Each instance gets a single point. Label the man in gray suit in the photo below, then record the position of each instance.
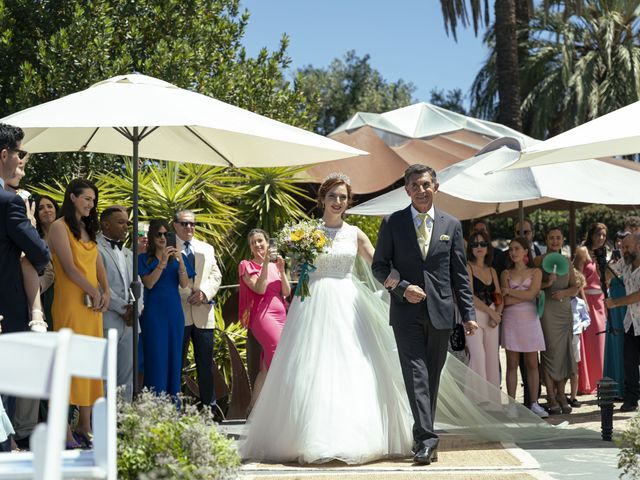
(426, 247)
(118, 262)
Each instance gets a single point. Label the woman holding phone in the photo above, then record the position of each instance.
(162, 269)
(263, 287)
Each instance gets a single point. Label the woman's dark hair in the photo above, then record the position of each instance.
(68, 210)
(257, 231)
(485, 237)
(328, 185)
(154, 227)
(596, 227)
(56, 207)
(524, 243)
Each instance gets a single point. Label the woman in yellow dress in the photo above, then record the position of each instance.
(81, 291)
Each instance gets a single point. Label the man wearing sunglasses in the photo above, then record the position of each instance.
(197, 302)
(17, 235)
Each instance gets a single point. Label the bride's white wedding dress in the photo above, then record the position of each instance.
(334, 389)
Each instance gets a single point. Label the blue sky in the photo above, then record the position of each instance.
(405, 38)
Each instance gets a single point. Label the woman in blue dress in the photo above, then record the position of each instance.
(162, 269)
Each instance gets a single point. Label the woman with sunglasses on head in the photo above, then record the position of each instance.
(162, 269)
(81, 291)
(557, 360)
(487, 299)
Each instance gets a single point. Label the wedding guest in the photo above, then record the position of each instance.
(162, 269)
(81, 291)
(557, 360)
(522, 333)
(591, 260)
(614, 338)
(118, 262)
(498, 257)
(632, 224)
(581, 321)
(484, 344)
(263, 288)
(46, 209)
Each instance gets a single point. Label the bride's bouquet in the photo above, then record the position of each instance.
(303, 242)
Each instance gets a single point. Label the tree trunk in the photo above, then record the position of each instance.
(507, 64)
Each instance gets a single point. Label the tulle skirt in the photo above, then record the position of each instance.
(335, 388)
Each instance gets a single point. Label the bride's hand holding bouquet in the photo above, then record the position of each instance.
(303, 242)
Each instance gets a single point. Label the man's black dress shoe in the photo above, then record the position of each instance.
(426, 455)
(628, 407)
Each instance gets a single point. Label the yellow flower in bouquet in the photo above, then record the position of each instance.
(303, 242)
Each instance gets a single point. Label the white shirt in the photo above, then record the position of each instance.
(631, 280)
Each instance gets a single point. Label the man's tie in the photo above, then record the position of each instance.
(115, 243)
(190, 255)
(423, 234)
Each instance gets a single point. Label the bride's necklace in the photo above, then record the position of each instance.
(332, 231)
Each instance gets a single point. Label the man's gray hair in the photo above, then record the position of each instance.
(418, 169)
(176, 216)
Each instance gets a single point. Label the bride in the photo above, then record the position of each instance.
(335, 388)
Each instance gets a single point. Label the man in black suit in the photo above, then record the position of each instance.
(17, 235)
(426, 247)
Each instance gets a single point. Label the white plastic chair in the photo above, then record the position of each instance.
(35, 365)
(88, 357)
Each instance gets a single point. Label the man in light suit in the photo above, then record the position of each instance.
(426, 247)
(118, 262)
(197, 302)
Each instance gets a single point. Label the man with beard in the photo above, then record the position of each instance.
(628, 269)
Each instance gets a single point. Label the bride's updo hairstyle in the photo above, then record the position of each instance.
(331, 181)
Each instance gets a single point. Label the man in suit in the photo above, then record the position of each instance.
(17, 235)
(426, 247)
(199, 314)
(118, 262)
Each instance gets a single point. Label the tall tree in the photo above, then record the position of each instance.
(451, 99)
(506, 28)
(195, 45)
(350, 85)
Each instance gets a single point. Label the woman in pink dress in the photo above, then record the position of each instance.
(263, 288)
(521, 328)
(592, 344)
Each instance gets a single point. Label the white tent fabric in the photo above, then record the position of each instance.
(189, 127)
(616, 133)
(479, 186)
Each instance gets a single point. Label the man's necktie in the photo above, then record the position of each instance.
(190, 255)
(115, 243)
(423, 234)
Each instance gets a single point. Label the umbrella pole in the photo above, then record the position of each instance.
(572, 228)
(521, 218)
(135, 284)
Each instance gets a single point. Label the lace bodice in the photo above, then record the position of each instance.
(339, 260)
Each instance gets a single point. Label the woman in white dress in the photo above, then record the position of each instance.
(335, 388)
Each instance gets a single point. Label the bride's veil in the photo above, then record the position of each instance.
(467, 403)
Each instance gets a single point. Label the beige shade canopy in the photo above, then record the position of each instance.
(420, 133)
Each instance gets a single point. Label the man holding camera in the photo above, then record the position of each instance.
(628, 269)
(199, 313)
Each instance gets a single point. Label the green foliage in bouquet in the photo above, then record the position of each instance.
(157, 440)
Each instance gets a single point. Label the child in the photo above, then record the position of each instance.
(581, 321)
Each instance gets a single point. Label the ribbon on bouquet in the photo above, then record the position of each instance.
(302, 289)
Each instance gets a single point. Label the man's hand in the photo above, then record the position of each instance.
(197, 297)
(610, 303)
(127, 316)
(414, 294)
(470, 327)
(392, 280)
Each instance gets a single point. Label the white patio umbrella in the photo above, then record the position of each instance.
(145, 117)
(479, 186)
(617, 133)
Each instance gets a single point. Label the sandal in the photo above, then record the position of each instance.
(83, 439)
(72, 445)
(554, 410)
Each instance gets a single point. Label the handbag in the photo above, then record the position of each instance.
(457, 338)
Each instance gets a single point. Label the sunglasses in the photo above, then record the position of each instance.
(21, 153)
(161, 234)
(188, 224)
(479, 244)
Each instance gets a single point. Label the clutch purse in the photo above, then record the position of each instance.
(497, 298)
(457, 338)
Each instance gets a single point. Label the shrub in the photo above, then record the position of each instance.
(629, 455)
(158, 439)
